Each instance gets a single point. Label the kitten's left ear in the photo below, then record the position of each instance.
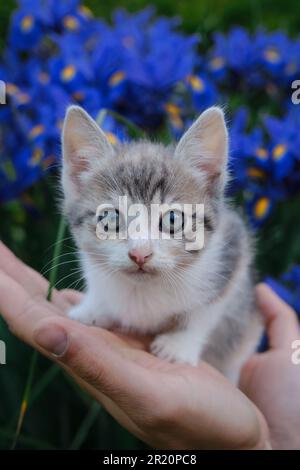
(205, 145)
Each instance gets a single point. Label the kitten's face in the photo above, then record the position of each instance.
(95, 174)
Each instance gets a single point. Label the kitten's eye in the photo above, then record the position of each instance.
(110, 219)
(171, 222)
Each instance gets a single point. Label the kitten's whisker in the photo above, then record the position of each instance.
(58, 242)
(59, 256)
(66, 277)
(43, 273)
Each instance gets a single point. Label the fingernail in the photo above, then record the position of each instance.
(52, 338)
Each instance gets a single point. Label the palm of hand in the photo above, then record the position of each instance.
(161, 403)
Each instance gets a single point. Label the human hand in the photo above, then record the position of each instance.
(270, 379)
(166, 405)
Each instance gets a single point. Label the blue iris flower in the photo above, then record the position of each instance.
(272, 50)
(202, 90)
(155, 58)
(145, 69)
(264, 162)
(260, 205)
(281, 133)
(234, 51)
(26, 30)
(249, 156)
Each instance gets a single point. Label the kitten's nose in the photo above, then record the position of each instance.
(140, 255)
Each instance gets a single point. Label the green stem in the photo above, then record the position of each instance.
(24, 404)
(136, 131)
(85, 426)
(56, 254)
(28, 441)
(33, 362)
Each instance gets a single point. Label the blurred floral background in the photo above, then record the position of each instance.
(154, 67)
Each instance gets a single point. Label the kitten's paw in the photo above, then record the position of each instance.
(175, 347)
(82, 314)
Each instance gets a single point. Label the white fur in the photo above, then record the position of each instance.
(147, 303)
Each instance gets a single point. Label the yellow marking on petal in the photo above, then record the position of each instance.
(279, 151)
(23, 98)
(116, 78)
(68, 73)
(12, 89)
(27, 23)
(78, 95)
(255, 173)
(172, 109)
(272, 55)
(261, 207)
(36, 131)
(36, 157)
(217, 63)
(112, 138)
(177, 122)
(196, 83)
(261, 153)
(71, 23)
(84, 10)
(44, 78)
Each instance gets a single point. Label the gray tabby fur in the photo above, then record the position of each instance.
(198, 304)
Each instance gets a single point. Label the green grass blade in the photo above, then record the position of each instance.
(32, 367)
(56, 254)
(85, 427)
(43, 383)
(24, 404)
(28, 441)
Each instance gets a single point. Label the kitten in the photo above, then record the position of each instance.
(197, 303)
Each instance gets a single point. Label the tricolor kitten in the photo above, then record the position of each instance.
(197, 303)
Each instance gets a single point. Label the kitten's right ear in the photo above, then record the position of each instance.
(204, 146)
(84, 144)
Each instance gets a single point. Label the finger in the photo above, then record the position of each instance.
(280, 319)
(89, 352)
(22, 313)
(107, 366)
(73, 297)
(248, 370)
(25, 276)
(20, 309)
(30, 280)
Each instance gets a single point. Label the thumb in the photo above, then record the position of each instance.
(93, 357)
(280, 319)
